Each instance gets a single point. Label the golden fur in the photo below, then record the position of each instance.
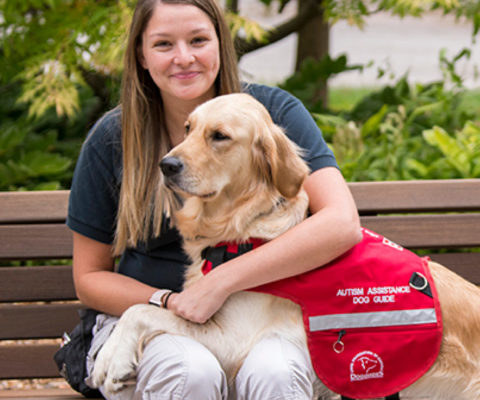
(231, 172)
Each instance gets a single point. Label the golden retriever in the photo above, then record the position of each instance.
(240, 177)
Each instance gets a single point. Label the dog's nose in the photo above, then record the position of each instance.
(171, 166)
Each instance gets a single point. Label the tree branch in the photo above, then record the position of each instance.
(243, 46)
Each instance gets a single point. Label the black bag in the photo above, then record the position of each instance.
(72, 356)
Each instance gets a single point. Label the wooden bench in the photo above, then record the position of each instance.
(38, 303)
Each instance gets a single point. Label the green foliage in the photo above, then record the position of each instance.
(400, 131)
(252, 29)
(29, 160)
(56, 48)
(355, 11)
(461, 150)
(54, 88)
(61, 63)
(31, 155)
(50, 45)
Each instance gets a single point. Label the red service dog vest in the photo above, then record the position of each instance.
(371, 316)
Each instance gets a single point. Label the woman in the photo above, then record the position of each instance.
(179, 55)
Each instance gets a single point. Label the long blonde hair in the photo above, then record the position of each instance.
(144, 137)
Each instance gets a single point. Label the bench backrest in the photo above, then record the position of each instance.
(433, 215)
(39, 302)
(36, 302)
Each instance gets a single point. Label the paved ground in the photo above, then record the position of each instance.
(409, 44)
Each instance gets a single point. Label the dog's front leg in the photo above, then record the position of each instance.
(117, 361)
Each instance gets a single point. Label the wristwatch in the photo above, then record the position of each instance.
(159, 298)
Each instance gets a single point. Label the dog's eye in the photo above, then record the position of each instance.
(219, 136)
(187, 128)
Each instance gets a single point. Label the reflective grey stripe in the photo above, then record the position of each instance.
(373, 319)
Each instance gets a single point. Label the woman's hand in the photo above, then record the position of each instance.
(199, 302)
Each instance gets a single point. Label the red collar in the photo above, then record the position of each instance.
(225, 251)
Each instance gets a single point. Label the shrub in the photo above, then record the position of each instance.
(399, 132)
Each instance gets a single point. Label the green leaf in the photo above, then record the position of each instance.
(251, 29)
(45, 164)
(418, 167)
(372, 125)
(453, 151)
(10, 137)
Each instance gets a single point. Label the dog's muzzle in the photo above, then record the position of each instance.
(171, 166)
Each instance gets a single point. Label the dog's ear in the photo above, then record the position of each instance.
(279, 158)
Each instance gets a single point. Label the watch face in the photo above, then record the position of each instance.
(156, 298)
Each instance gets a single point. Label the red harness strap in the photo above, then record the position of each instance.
(371, 316)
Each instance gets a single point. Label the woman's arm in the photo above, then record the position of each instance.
(333, 229)
(96, 284)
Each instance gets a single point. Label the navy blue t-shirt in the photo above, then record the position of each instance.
(95, 187)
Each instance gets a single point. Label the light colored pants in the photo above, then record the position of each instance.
(177, 367)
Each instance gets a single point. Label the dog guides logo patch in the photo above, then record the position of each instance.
(366, 365)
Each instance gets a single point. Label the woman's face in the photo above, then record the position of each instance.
(180, 49)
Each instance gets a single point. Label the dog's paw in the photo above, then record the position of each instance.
(114, 371)
(116, 364)
(119, 377)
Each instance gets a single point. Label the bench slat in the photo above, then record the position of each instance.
(428, 231)
(43, 283)
(417, 196)
(39, 206)
(37, 320)
(35, 241)
(55, 241)
(466, 265)
(406, 196)
(41, 394)
(28, 361)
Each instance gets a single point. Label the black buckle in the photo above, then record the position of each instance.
(420, 283)
(219, 255)
(215, 255)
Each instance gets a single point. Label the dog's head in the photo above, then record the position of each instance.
(232, 147)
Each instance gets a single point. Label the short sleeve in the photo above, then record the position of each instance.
(93, 201)
(289, 113)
